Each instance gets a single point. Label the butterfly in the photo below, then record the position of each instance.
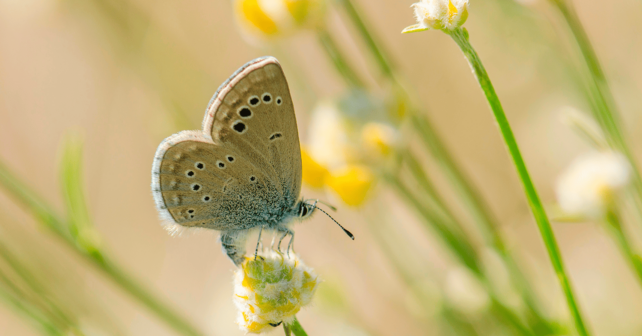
(243, 169)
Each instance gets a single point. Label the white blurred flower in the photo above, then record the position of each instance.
(464, 291)
(438, 14)
(588, 185)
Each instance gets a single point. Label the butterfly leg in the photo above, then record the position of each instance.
(233, 243)
(286, 232)
(290, 244)
(256, 251)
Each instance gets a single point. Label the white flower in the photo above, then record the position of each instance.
(588, 185)
(464, 291)
(270, 290)
(438, 14)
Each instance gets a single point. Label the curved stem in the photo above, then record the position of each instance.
(460, 36)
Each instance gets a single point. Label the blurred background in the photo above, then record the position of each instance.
(88, 89)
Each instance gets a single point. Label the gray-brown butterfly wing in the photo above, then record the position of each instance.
(253, 114)
(244, 168)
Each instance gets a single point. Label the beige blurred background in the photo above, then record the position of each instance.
(72, 65)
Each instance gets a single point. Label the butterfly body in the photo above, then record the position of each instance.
(243, 169)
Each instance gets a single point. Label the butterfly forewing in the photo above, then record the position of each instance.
(244, 168)
(254, 115)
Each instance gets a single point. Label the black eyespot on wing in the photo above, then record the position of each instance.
(239, 126)
(230, 158)
(199, 165)
(279, 100)
(196, 187)
(245, 112)
(189, 173)
(254, 100)
(267, 98)
(190, 210)
(221, 164)
(206, 198)
(191, 216)
(275, 136)
(252, 178)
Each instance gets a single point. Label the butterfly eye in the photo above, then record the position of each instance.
(254, 101)
(279, 101)
(267, 98)
(304, 211)
(199, 165)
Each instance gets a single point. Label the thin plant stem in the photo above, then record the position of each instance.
(43, 213)
(613, 219)
(469, 195)
(297, 329)
(38, 292)
(339, 60)
(457, 243)
(287, 330)
(604, 107)
(23, 308)
(460, 36)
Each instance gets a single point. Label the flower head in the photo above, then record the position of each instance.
(438, 14)
(276, 18)
(270, 290)
(588, 186)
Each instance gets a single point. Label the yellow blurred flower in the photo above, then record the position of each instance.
(379, 138)
(314, 174)
(342, 155)
(351, 183)
(277, 18)
(438, 14)
(270, 290)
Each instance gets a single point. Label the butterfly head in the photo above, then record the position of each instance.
(306, 209)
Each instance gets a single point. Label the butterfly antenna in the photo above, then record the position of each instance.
(344, 229)
(332, 207)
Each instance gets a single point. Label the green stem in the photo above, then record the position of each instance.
(457, 242)
(604, 106)
(287, 330)
(50, 219)
(379, 55)
(613, 219)
(460, 36)
(464, 188)
(297, 329)
(339, 60)
(469, 195)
